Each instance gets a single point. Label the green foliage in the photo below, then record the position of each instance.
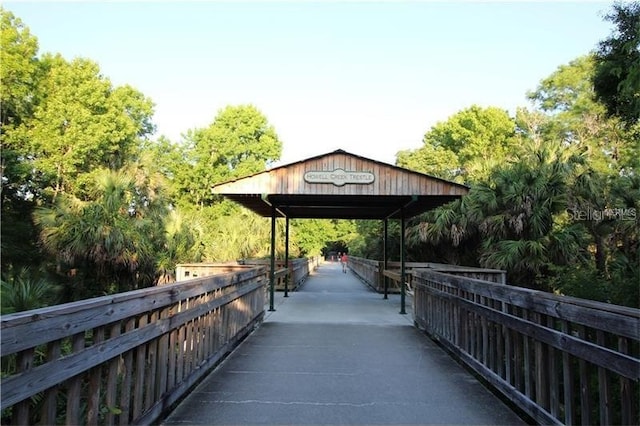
(240, 235)
(63, 126)
(369, 242)
(315, 237)
(81, 123)
(168, 159)
(223, 232)
(432, 160)
(509, 221)
(312, 235)
(111, 209)
(19, 70)
(181, 245)
(111, 239)
(533, 214)
(576, 119)
(117, 211)
(586, 282)
(566, 89)
(465, 147)
(24, 290)
(617, 76)
(624, 278)
(19, 77)
(239, 142)
(18, 234)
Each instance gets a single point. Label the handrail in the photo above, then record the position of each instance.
(297, 271)
(372, 272)
(560, 359)
(125, 358)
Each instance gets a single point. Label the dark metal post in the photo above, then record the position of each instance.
(384, 257)
(286, 260)
(402, 271)
(272, 274)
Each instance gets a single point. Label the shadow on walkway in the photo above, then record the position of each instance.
(335, 352)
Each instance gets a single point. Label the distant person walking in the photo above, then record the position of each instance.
(344, 260)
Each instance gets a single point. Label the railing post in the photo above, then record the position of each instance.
(286, 260)
(272, 273)
(402, 268)
(385, 259)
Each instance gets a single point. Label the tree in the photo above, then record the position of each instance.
(239, 142)
(466, 146)
(617, 76)
(81, 123)
(432, 160)
(562, 210)
(181, 245)
(24, 290)
(19, 70)
(19, 80)
(61, 122)
(241, 234)
(312, 235)
(610, 149)
(107, 244)
(169, 160)
(369, 239)
(576, 118)
(509, 221)
(519, 225)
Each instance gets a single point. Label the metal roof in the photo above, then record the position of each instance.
(340, 185)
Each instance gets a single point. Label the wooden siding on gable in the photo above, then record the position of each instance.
(388, 180)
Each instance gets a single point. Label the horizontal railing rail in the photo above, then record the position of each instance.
(486, 274)
(373, 273)
(297, 270)
(125, 358)
(560, 359)
(369, 271)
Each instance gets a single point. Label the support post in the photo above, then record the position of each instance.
(286, 259)
(384, 257)
(402, 269)
(272, 273)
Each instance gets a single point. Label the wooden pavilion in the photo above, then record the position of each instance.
(340, 185)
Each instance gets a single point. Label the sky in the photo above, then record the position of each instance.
(370, 78)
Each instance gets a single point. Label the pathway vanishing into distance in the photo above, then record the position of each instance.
(335, 352)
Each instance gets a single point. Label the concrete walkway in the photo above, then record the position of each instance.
(336, 353)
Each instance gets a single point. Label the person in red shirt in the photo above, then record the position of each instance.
(344, 260)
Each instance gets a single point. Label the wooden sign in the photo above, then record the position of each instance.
(339, 177)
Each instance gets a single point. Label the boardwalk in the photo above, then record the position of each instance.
(336, 353)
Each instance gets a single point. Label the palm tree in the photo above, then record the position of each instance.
(24, 290)
(110, 240)
(181, 245)
(510, 221)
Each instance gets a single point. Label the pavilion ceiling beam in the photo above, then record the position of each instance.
(265, 199)
(414, 198)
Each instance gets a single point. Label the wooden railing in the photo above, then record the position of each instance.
(373, 273)
(294, 274)
(367, 270)
(301, 269)
(560, 359)
(126, 358)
